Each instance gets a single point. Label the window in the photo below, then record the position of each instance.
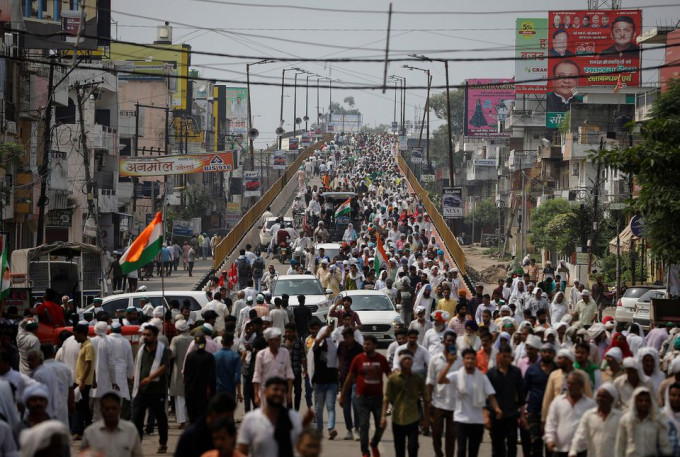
(113, 306)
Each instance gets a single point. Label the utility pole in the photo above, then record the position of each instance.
(283, 82)
(307, 104)
(44, 167)
(448, 125)
(596, 196)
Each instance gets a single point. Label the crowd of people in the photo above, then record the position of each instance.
(530, 362)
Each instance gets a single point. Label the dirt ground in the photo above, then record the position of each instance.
(483, 269)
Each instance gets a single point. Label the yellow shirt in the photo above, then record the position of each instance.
(86, 354)
(447, 305)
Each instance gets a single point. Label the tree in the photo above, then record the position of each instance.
(349, 101)
(337, 108)
(198, 201)
(654, 164)
(542, 232)
(438, 104)
(382, 128)
(484, 214)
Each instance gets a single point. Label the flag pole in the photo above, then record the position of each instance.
(165, 198)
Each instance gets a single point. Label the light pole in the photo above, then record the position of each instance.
(250, 111)
(448, 111)
(427, 110)
(402, 114)
(298, 71)
(281, 130)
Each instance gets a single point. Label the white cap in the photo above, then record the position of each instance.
(566, 353)
(615, 353)
(272, 332)
(585, 293)
(534, 341)
(181, 325)
(100, 328)
(419, 309)
(158, 312)
(610, 389)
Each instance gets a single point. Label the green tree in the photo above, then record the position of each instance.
(542, 233)
(382, 128)
(198, 200)
(338, 109)
(438, 104)
(349, 101)
(655, 163)
(485, 215)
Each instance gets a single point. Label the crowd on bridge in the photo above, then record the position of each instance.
(532, 361)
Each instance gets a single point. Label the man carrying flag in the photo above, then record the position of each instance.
(380, 257)
(344, 210)
(145, 248)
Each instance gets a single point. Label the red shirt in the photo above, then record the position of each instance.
(51, 313)
(369, 373)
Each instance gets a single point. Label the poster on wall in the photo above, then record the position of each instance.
(452, 202)
(531, 51)
(293, 144)
(252, 184)
(237, 109)
(590, 48)
(487, 103)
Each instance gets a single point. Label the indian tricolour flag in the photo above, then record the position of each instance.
(145, 247)
(344, 209)
(380, 257)
(4, 268)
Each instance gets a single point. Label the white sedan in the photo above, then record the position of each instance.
(376, 312)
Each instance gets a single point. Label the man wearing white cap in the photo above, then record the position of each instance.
(432, 340)
(586, 310)
(643, 429)
(58, 380)
(633, 379)
(420, 323)
(178, 353)
(273, 361)
(242, 317)
(598, 427)
(121, 366)
(557, 381)
(102, 372)
(35, 398)
(574, 294)
(613, 357)
(532, 345)
(565, 412)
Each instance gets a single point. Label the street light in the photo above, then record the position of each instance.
(448, 110)
(250, 112)
(427, 109)
(402, 120)
(280, 130)
(298, 71)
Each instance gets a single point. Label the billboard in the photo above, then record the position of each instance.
(590, 48)
(279, 159)
(416, 155)
(531, 51)
(487, 104)
(452, 202)
(176, 164)
(252, 182)
(672, 59)
(293, 143)
(237, 110)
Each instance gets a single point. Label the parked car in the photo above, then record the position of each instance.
(316, 298)
(265, 234)
(376, 311)
(115, 305)
(625, 306)
(330, 249)
(641, 312)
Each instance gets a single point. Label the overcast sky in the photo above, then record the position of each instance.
(264, 32)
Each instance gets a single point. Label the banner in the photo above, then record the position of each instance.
(293, 143)
(416, 155)
(237, 110)
(531, 51)
(306, 139)
(487, 104)
(252, 183)
(318, 132)
(452, 202)
(176, 164)
(590, 48)
(279, 159)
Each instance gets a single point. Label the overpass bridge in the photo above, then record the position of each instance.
(280, 196)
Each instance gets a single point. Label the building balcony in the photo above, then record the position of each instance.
(525, 118)
(107, 200)
(481, 170)
(644, 103)
(577, 146)
(102, 138)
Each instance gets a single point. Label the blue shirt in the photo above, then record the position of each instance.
(535, 381)
(166, 254)
(227, 370)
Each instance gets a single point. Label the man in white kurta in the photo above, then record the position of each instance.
(102, 372)
(121, 366)
(598, 427)
(58, 379)
(270, 362)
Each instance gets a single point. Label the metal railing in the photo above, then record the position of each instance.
(252, 216)
(438, 221)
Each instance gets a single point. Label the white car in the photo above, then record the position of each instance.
(376, 311)
(115, 305)
(316, 298)
(330, 249)
(625, 306)
(265, 232)
(642, 306)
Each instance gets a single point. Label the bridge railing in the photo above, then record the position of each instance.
(252, 216)
(438, 221)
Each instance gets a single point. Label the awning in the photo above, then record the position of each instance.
(625, 238)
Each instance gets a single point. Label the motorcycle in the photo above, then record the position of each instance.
(284, 252)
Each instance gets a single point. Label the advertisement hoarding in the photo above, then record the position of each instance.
(237, 110)
(293, 144)
(176, 164)
(590, 48)
(252, 183)
(672, 59)
(452, 202)
(306, 139)
(487, 104)
(531, 51)
(279, 162)
(416, 155)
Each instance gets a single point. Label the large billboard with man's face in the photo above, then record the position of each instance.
(237, 110)
(590, 48)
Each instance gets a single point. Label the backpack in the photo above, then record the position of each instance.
(242, 267)
(258, 266)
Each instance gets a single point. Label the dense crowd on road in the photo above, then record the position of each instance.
(531, 362)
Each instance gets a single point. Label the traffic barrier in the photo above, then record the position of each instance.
(448, 238)
(252, 216)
